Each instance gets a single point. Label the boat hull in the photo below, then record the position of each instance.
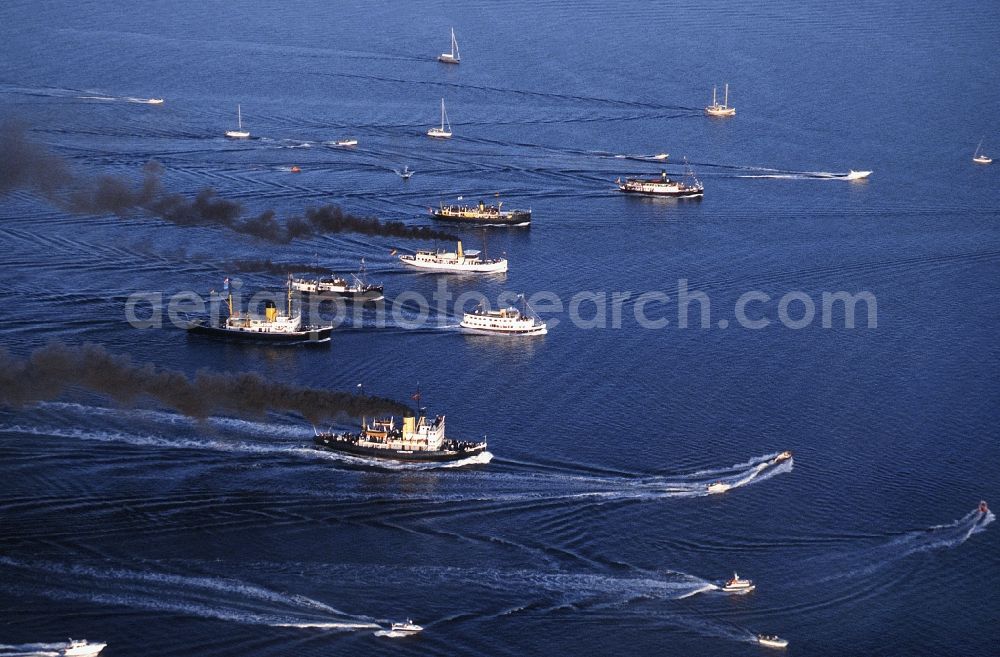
(332, 444)
(484, 268)
(309, 335)
(535, 330)
(687, 193)
(448, 58)
(238, 134)
(517, 217)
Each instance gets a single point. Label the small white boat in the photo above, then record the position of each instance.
(979, 157)
(239, 133)
(784, 456)
(451, 57)
(772, 641)
(505, 321)
(737, 585)
(455, 262)
(715, 109)
(718, 487)
(443, 132)
(405, 173)
(408, 627)
(81, 648)
(346, 142)
(857, 175)
(154, 101)
(661, 156)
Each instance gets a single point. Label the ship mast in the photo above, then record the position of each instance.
(289, 296)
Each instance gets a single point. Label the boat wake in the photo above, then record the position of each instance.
(805, 175)
(937, 537)
(204, 597)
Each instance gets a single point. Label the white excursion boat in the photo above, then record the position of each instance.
(857, 175)
(715, 109)
(737, 585)
(451, 57)
(458, 261)
(718, 487)
(772, 641)
(662, 186)
(346, 142)
(81, 648)
(442, 132)
(358, 290)
(505, 321)
(979, 157)
(239, 133)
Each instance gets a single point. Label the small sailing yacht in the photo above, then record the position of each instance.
(715, 109)
(239, 133)
(451, 57)
(979, 157)
(441, 133)
(405, 173)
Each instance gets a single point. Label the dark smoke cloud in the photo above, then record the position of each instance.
(25, 165)
(50, 371)
(270, 267)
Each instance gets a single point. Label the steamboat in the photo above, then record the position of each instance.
(272, 327)
(662, 186)
(481, 214)
(418, 439)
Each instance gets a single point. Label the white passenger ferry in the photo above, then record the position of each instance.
(458, 261)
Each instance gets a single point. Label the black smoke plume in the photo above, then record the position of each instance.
(52, 370)
(26, 165)
(270, 267)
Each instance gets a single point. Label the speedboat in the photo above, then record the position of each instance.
(784, 456)
(737, 585)
(661, 156)
(81, 648)
(409, 627)
(772, 641)
(982, 507)
(718, 487)
(154, 101)
(346, 142)
(857, 175)
(295, 169)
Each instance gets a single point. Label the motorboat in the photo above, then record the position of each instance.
(982, 507)
(345, 143)
(772, 641)
(718, 487)
(737, 585)
(784, 456)
(407, 627)
(857, 175)
(295, 169)
(81, 648)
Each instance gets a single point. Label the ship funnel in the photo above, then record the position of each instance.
(270, 311)
(409, 425)
(459, 249)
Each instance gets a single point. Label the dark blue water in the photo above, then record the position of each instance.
(589, 531)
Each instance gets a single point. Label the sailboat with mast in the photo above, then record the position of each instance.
(715, 109)
(444, 132)
(239, 133)
(451, 57)
(979, 157)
